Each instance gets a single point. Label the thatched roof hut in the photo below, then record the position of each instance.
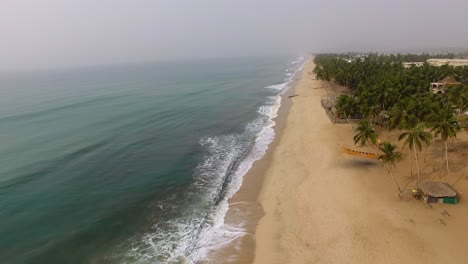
(438, 189)
(449, 81)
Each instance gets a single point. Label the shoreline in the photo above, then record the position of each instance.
(244, 208)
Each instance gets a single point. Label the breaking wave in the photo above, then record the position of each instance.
(191, 234)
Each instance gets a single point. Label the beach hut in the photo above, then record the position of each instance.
(438, 192)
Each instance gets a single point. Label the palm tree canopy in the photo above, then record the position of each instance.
(365, 133)
(445, 124)
(403, 115)
(346, 105)
(415, 137)
(389, 156)
(458, 96)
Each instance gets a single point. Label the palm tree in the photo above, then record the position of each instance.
(390, 157)
(414, 139)
(346, 106)
(445, 125)
(402, 115)
(369, 108)
(458, 96)
(365, 133)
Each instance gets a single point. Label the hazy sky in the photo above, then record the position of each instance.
(63, 33)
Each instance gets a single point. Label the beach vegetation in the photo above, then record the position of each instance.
(389, 158)
(365, 133)
(385, 92)
(414, 138)
(445, 124)
(347, 107)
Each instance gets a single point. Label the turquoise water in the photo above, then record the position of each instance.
(130, 164)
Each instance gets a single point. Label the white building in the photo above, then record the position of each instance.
(454, 62)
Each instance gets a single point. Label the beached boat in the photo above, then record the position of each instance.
(364, 154)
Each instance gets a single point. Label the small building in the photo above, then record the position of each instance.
(451, 62)
(438, 192)
(411, 64)
(440, 87)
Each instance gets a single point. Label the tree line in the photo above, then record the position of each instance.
(385, 93)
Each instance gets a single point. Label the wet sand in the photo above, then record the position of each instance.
(244, 209)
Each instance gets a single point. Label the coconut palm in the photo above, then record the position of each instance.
(402, 115)
(346, 106)
(414, 139)
(343, 105)
(445, 125)
(365, 133)
(389, 158)
(458, 97)
(369, 106)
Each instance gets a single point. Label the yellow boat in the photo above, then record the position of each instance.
(369, 155)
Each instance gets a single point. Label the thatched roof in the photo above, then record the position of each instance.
(449, 81)
(437, 189)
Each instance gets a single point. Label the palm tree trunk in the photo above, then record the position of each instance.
(446, 161)
(352, 126)
(425, 153)
(441, 162)
(417, 165)
(411, 164)
(394, 180)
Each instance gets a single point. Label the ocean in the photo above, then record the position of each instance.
(131, 163)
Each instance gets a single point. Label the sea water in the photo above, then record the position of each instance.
(131, 163)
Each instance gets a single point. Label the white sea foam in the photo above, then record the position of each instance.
(181, 239)
(299, 60)
(290, 75)
(199, 230)
(278, 87)
(220, 234)
(271, 108)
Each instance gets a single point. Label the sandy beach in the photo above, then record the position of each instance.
(322, 206)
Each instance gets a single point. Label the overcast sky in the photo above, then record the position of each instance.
(68, 33)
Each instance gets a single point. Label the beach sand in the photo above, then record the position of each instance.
(322, 206)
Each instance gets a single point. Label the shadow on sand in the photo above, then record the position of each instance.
(357, 163)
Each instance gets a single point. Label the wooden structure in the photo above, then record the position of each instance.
(438, 192)
(440, 87)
